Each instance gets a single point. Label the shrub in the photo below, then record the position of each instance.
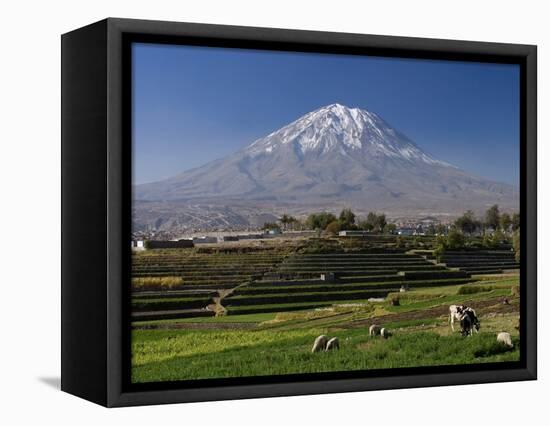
(517, 244)
(321, 246)
(455, 240)
(398, 242)
(155, 282)
(333, 228)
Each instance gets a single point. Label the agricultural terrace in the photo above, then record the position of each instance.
(255, 310)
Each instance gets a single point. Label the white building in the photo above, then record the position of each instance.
(138, 245)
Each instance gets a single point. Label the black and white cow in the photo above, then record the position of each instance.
(455, 313)
(469, 322)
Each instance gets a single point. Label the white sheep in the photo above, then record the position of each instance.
(374, 330)
(332, 344)
(505, 339)
(385, 333)
(319, 344)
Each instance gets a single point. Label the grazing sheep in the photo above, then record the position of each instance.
(403, 289)
(333, 344)
(374, 330)
(385, 333)
(505, 339)
(319, 344)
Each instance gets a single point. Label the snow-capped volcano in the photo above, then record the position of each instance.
(347, 129)
(333, 156)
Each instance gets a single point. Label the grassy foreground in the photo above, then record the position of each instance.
(161, 355)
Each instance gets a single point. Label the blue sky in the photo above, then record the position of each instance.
(196, 104)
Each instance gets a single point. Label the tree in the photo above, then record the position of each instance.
(515, 222)
(365, 225)
(287, 220)
(284, 219)
(505, 222)
(374, 222)
(319, 220)
(333, 227)
(271, 226)
(430, 230)
(467, 223)
(492, 217)
(380, 222)
(293, 222)
(347, 219)
(440, 229)
(390, 228)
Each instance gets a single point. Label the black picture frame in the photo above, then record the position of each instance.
(96, 210)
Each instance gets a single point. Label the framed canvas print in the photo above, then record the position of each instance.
(253, 212)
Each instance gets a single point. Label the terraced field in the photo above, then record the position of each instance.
(348, 277)
(481, 261)
(182, 284)
(203, 315)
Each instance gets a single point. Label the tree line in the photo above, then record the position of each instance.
(330, 223)
(493, 221)
(495, 228)
(347, 220)
(494, 225)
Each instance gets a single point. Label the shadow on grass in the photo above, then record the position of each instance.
(495, 348)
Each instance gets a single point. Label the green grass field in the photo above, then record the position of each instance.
(161, 355)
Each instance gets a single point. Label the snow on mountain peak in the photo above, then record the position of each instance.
(338, 127)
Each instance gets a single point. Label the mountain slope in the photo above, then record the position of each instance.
(335, 155)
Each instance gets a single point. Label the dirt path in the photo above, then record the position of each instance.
(222, 294)
(217, 307)
(482, 308)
